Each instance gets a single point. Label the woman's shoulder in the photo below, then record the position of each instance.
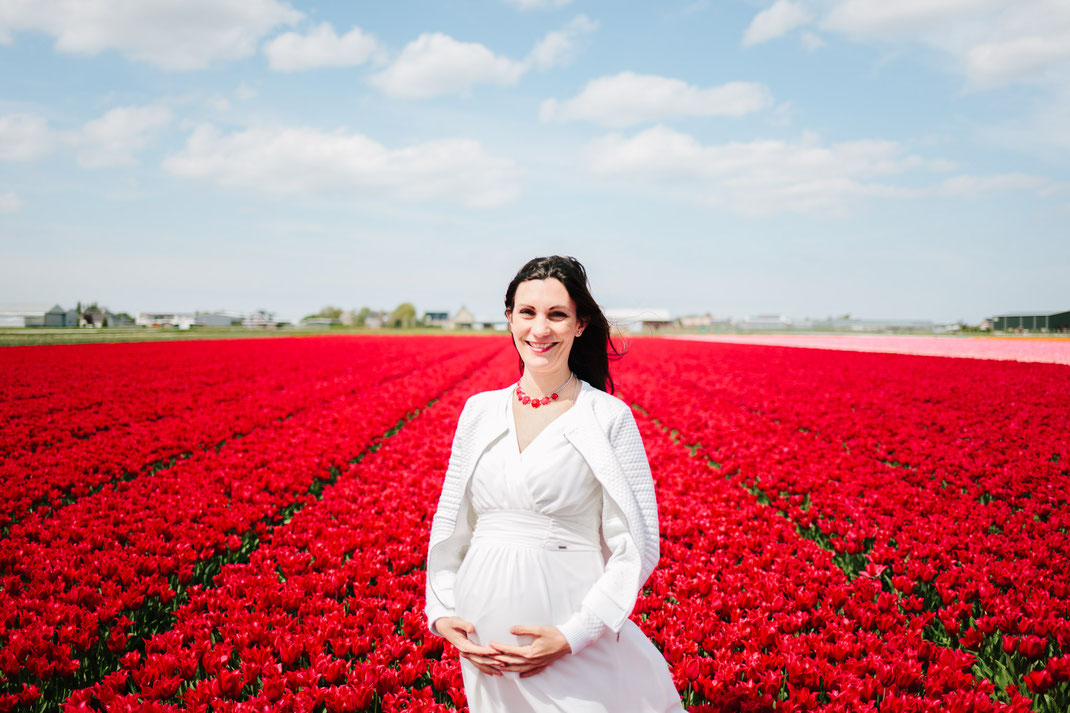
(604, 403)
(483, 400)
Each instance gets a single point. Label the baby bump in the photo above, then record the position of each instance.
(512, 578)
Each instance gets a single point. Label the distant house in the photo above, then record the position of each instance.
(436, 319)
(95, 317)
(462, 320)
(32, 314)
(376, 319)
(765, 322)
(260, 319)
(319, 322)
(696, 321)
(1032, 322)
(638, 319)
(218, 319)
(486, 322)
(857, 324)
(177, 320)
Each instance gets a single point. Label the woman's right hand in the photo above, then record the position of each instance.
(456, 630)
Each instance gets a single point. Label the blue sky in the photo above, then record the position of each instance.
(801, 157)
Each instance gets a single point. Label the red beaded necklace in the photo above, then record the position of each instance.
(537, 402)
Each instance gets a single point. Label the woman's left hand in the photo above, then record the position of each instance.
(548, 645)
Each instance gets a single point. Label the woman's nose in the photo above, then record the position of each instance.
(541, 326)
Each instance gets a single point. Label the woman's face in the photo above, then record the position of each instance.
(544, 324)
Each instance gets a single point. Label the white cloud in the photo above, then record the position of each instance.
(245, 92)
(811, 41)
(627, 98)
(990, 42)
(320, 47)
(980, 186)
(889, 20)
(1043, 130)
(778, 19)
(558, 47)
(173, 34)
(760, 177)
(537, 4)
(310, 162)
(999, 62)
(24, 137)
(10, 203)
(435, 64)
(115, 138)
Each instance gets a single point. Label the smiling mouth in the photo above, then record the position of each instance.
(540, 347)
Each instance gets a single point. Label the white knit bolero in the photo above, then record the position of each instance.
(606, 435)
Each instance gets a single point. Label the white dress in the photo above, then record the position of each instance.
(536, 550)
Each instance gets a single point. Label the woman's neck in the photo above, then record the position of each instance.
(544, 384)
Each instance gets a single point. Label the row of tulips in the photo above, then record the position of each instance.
(160, 427)
(985, 575)
(60, 395)
(970, 421)
(755, 618)
(139, 429)
(105, 570)
(327, 613)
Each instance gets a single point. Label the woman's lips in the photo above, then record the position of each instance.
(540, 347)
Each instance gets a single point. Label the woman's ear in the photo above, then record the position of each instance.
(579, 329)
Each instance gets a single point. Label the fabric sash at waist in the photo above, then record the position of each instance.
(531, 529)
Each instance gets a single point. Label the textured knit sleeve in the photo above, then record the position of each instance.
(622, 570)
(624, 564)
(439, 598)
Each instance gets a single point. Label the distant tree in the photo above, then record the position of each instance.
(329, 312)
(403, 316)
(362, 316)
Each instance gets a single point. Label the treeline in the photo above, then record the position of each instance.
(401, 317)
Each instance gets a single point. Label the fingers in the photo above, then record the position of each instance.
(512, 650)
(467, 647)
(510, 660)
(456, 631)
(489, 670)
(532, 672)
(486, 661)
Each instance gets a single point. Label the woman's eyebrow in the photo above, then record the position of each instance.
(522, 305)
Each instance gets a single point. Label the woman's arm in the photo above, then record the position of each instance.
(621, 570)
(449, 532)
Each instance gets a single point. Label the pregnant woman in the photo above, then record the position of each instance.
(547, 526)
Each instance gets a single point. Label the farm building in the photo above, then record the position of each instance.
(462, 320)
(218, 319)
(438, 318)
(639, 319)
(1032, 321)
(32, 314)
(165, 319)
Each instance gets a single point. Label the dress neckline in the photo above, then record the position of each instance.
(511, 420)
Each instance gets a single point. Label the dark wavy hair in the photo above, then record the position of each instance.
(592, 350)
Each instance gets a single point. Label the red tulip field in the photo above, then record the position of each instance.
(241, 525)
